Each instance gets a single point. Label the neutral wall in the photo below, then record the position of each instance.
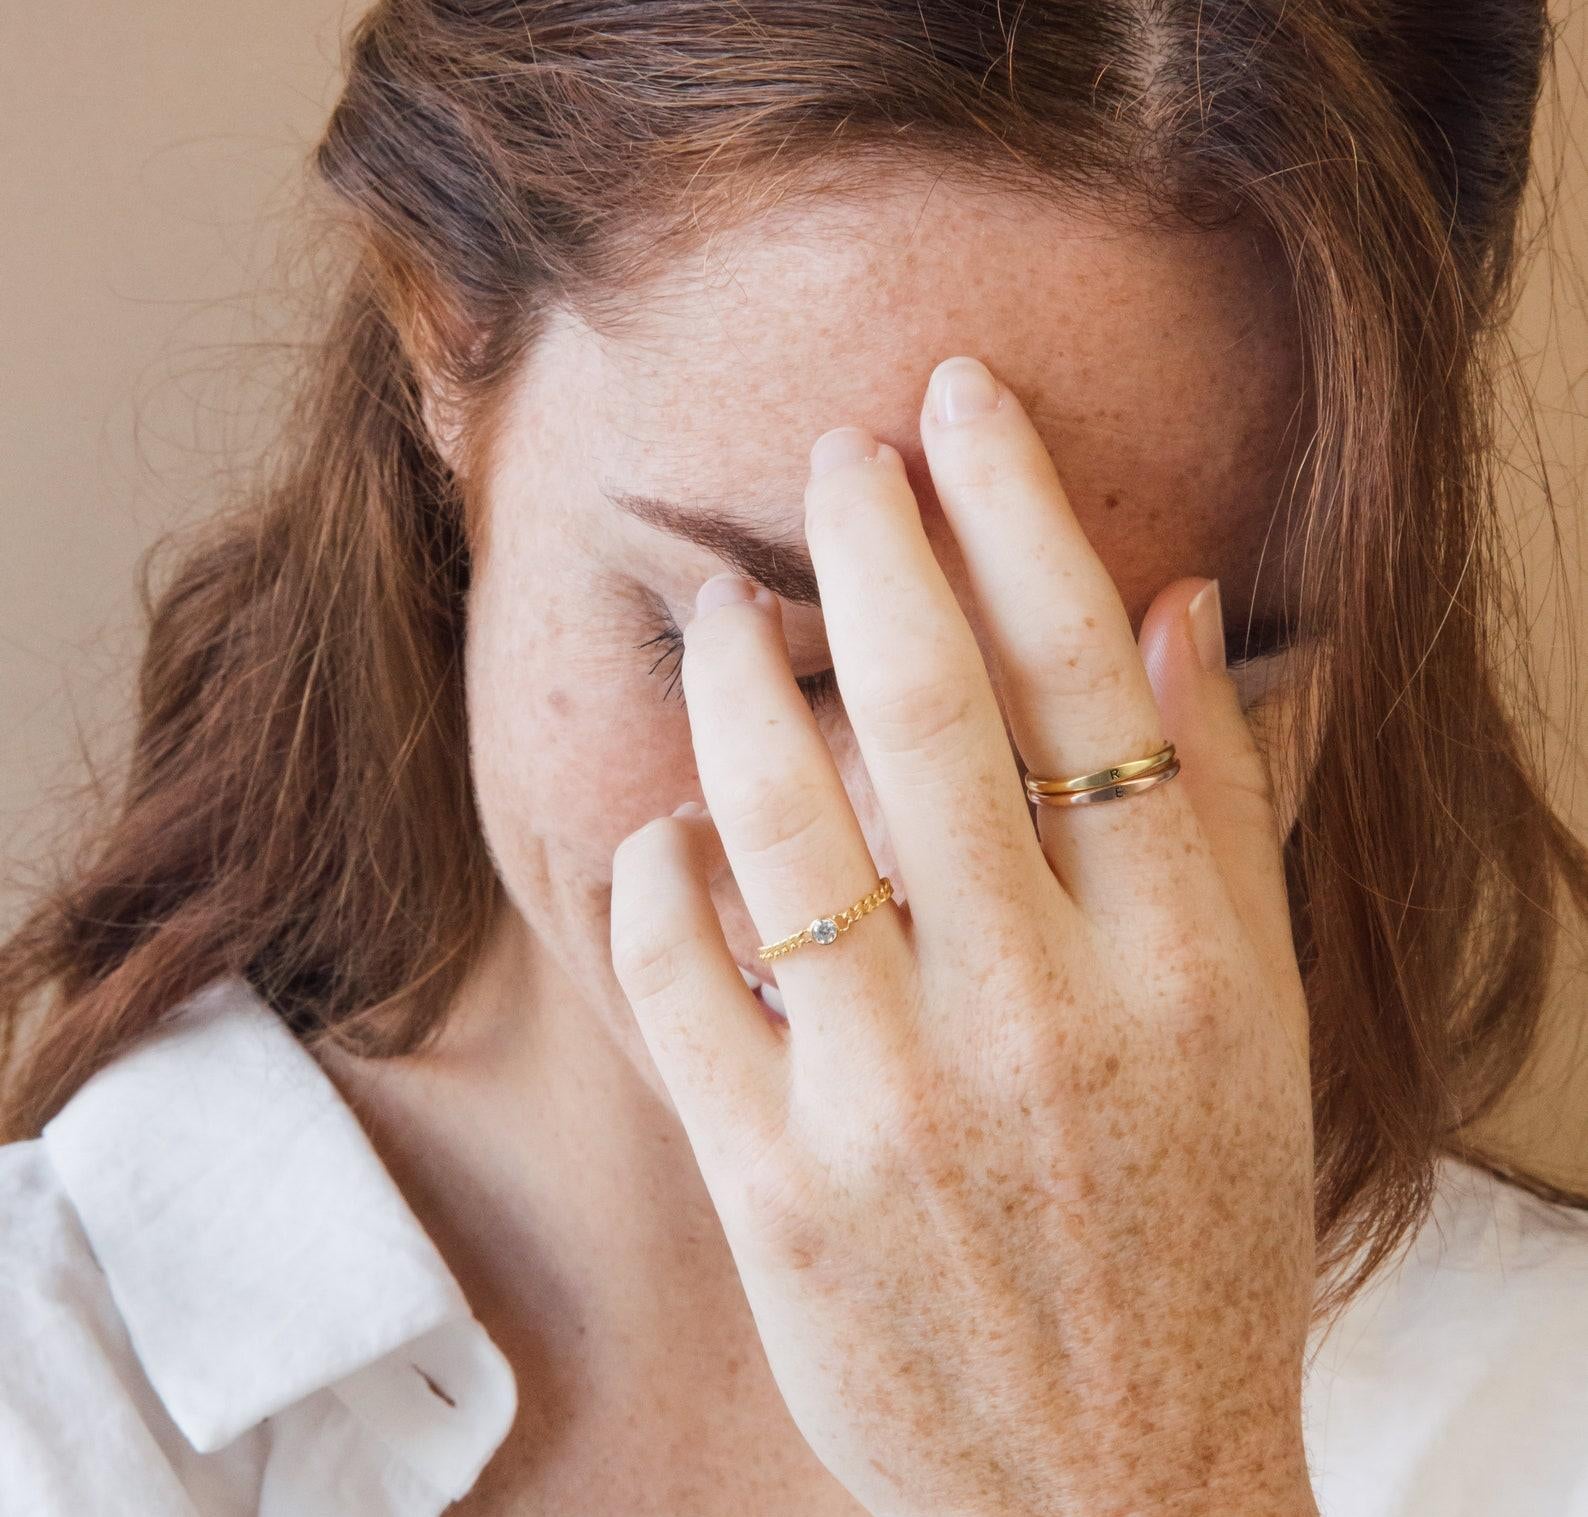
(152, 153)
(150, 156)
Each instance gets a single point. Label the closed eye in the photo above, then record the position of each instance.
(1260, 640)
(820, 689)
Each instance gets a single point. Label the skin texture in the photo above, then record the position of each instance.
(540, 1142)
(1023, 1202)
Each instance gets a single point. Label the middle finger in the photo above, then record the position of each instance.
(922, 705)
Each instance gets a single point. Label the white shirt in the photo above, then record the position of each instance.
(214, 1300)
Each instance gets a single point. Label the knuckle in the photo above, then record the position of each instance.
(783, 817)
(1200, 1018)
(917, 711)
(650, 958)
(1038, 1040)
(781, 1207)
(914, 1110)
(1086, 671)
(916, 1124)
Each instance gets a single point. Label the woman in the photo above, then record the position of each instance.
(431, 1100)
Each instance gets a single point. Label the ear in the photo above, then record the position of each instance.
(430, 334)
(442, 422)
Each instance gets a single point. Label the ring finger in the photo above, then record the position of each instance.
(1076, 691)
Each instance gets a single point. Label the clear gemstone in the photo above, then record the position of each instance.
(824, 929)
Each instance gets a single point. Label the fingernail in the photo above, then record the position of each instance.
(841, 445)
(723, 590)
(962, 388)
(1206, 615)
(691, 808)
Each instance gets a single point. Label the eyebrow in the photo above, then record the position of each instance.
(784, 567)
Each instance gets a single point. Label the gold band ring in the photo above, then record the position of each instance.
(825, 930)
(1112, 791)
(1109, 784)
(1104, 784)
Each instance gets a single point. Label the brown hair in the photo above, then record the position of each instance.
(298, 807)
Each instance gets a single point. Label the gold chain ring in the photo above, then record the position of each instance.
(825, 930)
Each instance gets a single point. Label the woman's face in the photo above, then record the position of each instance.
(1161, 373)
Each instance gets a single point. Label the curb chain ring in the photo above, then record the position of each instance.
(1111, 784)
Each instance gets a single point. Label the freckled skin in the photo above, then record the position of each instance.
(538, 1142)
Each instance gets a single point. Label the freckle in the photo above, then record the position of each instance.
(1111, 500)
(801, 1256)
(1089, 622)
(557, 700)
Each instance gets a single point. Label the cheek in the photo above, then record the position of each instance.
(571, 745)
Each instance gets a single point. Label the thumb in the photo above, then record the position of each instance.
(1222, 766)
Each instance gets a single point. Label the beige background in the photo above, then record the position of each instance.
(153, 154)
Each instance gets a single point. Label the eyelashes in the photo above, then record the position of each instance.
(1261, 640)
(820, 690)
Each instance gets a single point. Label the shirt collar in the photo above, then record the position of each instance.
(258, 1250)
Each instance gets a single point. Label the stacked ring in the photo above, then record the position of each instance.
(1105, 784)
(1083, 789)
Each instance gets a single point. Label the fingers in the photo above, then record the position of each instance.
(721, 1060)
(784, 818)
(930, 728)
(1075, 692)
(1223, 771)
(924, 714)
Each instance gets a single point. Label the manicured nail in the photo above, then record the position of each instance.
(723, 590)
(841, 445)
(1206, 615)
(962, 388)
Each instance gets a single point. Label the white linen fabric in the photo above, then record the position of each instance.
(214, 1300)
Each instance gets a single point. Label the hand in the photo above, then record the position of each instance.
(1022, 1198)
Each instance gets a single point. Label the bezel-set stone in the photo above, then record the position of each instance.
(824, 930)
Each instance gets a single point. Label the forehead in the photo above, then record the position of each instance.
(1160, 368)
